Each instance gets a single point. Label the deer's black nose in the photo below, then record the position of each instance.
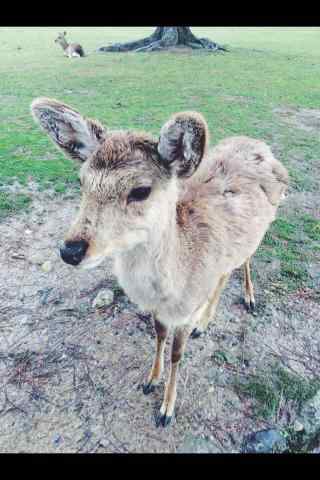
(73, 252)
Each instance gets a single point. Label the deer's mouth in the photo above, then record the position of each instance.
(91, 262)
(93, 258)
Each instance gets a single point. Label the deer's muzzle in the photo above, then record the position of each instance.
(74, 252)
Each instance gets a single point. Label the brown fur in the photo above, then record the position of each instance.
(205, 215)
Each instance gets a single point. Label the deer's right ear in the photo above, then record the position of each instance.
(74, 134)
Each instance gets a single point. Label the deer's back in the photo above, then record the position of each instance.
(226, 208)
(77, 48)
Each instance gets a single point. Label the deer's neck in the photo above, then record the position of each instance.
(163, 245)
(64, 44)
(149, 271)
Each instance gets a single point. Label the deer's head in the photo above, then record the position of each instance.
(61, 38)
(129, 180)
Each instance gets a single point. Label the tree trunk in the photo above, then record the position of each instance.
(165, 38)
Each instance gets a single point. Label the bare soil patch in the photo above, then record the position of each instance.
(8, 99)
(70, 375)
(303, 118)
(242, 99)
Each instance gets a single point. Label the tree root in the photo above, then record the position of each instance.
(165, 38)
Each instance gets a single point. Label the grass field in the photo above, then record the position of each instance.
(240, 92)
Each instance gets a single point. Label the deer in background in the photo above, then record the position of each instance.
(176, 218)
(70, 49)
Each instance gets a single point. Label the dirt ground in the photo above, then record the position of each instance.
(71, 375)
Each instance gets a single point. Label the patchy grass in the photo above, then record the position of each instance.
(266, 71)
(239, 92)
(11, 204)
(293, 241)
(275, 389)
(142, 91)
(312, 227)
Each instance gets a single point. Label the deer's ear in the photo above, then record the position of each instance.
(182, 143)
(76, 135)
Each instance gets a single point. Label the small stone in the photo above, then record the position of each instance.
(28, 231)
(264, 441)
(104, 298)
(104, 442)
(36, 259)
(298, 426)
(57, 439)
(246, 363)
(18, 256)
(46, 266)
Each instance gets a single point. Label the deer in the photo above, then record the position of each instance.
(175, 216)
(70, 49)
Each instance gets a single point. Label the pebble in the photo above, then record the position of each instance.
(104, 298)
(18, 256)
(57, 439)
(298, 426)
(46, 266)
(264, 441)
(36, 259)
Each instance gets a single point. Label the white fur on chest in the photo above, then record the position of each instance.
(137, 275)
(150, 287)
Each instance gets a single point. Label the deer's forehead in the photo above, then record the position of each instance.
(122, 150)
(110, 183)
(122, 161)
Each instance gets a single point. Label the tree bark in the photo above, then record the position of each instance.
(165, 38)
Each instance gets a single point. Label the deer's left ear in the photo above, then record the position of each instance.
(74, 134)
(182, 143)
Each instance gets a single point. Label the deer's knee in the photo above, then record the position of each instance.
(177, 349)
(161, 330)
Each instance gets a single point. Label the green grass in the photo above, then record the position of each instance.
(11, 204)
(312, 227)
(280, 385)
(237, 92)
(294, 242)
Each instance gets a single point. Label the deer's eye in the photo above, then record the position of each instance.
(139, 194)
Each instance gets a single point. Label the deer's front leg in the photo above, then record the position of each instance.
(164, 416)
(157, 367)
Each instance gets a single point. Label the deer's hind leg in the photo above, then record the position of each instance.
(249, 300)
(210, 308)
(157, 367)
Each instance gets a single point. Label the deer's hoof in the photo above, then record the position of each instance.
(148, 388)
(162, 420)
(196, 333)
(250, 305)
